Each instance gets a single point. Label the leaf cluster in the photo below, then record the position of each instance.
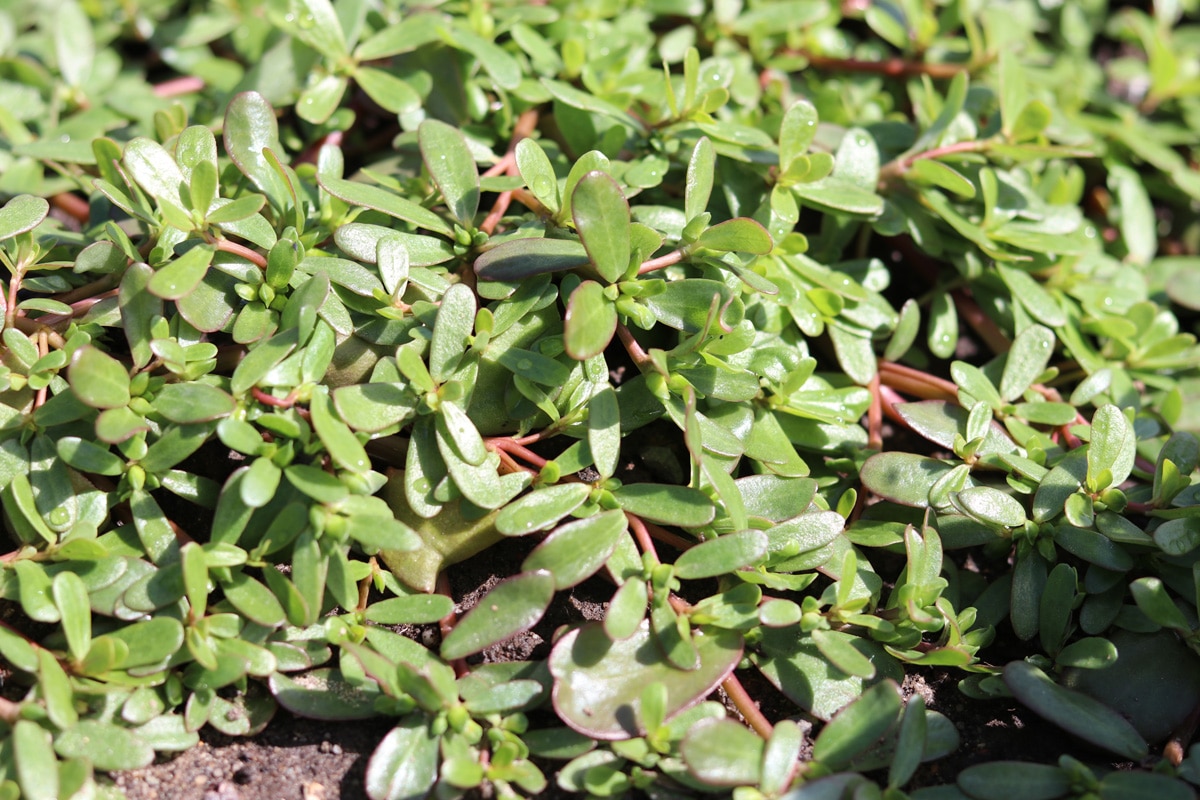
(368, 288)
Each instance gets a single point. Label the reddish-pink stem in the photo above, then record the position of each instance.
(642, 536)
(671, 258)
(175, 87)
(746, 706)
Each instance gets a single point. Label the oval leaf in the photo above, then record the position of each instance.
(512, 606)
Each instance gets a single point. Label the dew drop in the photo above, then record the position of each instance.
(524, 364)
(59, 516)
(421, 485)
(65, 139)
(542, 186)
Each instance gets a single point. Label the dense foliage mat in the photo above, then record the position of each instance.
(841, 341)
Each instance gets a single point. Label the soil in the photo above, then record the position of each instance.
(301, 759)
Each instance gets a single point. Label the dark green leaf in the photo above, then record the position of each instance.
(599, 683)
(22, 213)
(590, 321)
(450, 163)
(512, 606)
(601, 216)
(574, 552)
(1074, 712)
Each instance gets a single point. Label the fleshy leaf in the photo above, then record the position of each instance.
(450, 163)
(601, 216)
(1074, 712)
(598, 683)
(512, 606)
(590, 321)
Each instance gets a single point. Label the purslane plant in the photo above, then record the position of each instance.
(834, 341)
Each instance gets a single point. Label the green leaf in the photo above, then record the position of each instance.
(313, 22)
(512, 606)
(1074, 712)
(990, 506)
(71, 597)
(1135, 213)
(1141, 785)
(415, 609)
(504, 69)
(741, 235)
(155, 170)
(344, 448)
(727, 553)
(538, 174)
(250, 129)
(193, 402)
(22, 213)
(858, 726)
(910, 742)
(523, 258)
(320, 98)
(1002, 780)
(87, 456)
(390, 92)
(1154, 601)
(390, 203)
(324, 694)
(451, 331)
(98, 379)
(796, 132)
(837, 194)
(574, 552)
(541, 509)
(452, 167)
(599, 683)
(33, 758)
(34, 591)
(601, 216)
(1089, 653)
(1027, 359)
(254, 600)
(698, 188)
(361, 242)
(56, 690)
(590, 321)
(107, 746)
(1112, 448)
(456, 427)
(721, 752)
(904, 478)
(604, 431)
(1040, 304)
(405, 764)
(666, 504)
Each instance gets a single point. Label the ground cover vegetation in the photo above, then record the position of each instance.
(840, 341)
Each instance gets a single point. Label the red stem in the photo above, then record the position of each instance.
(642, 536)
(892, 67)
(175, 87)
(917, 383)
(671, 258)
(72, 205)
(635, 351)
(746, 706)
(447, 623)
(253, 256)
(875, 415)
